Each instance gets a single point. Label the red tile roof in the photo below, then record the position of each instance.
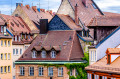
(69, 22)
(16, 24)
(85, 13)
(66, 41)
(2, 21)
(106, 20)
(102, 66)
(113, 51)
(35, 16)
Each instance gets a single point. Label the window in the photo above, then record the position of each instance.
(40, 71)
(15, 38)
(53, 54)
(22, 71)
(16, 51)
(13, 77)
(31, 71)
(20, 51)
(8, 43)
(13, 51)
(8, 68)
(95, 56)
(2, 29)
(34, 54)
(60, 71)
(103, 77)
(5, 43)
(76, 72)
(88, 76)
(1, 56)
(92, 76)
(50, 71)
(96, 77)
(5, 30)
(9, 56)
(25, 36)
(1, 69)
(5, 69)
(19, 38)
(13, 64)
(5, 56)
(43, 54)
(28, 36)
(1, 42)
(71, 72)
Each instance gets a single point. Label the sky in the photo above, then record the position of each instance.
(104, 5)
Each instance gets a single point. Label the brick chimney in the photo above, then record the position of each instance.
(27, 6)
(43, 26)
(43, 10)
(51, 12)
(85, 2)
(34, 8)
(76, 14)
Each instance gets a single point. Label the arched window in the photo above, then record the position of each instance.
(53, 54)
(43, 54)
(34, 54)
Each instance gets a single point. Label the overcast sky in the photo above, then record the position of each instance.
(105, 5)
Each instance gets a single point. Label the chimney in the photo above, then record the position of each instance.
(38, 9)
(51, 12)
(27, 6)
(76, 15)
(43, 26)
(85, 2)
(20, 4)
(34, 8)
(43, 10)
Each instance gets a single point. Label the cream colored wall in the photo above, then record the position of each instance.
(93, 57)
(6, 49)
(16, 57)
(66, 9)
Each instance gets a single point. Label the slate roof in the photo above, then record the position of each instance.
(65, 41)
(86, 13)
(17, 25)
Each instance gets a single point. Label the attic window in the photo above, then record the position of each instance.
(94, 6)
(53, 54)
(43, 54)
(12, 24)
(34, 54)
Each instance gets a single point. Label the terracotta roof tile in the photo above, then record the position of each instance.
(65, 41)
(2, 21)
(69, 22)
(113, 50)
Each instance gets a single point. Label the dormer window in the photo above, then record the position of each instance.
(43, 54)
(34, 54)
(2, 29)
(53, 54)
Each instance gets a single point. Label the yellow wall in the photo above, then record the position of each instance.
(8, 62)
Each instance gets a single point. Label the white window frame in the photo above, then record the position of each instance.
(71, 72)
(43, 54)
(40, 71)
(89, 76)
(20, 51)
(22, 71)
(34, 54)
(53, 54)
(2, 28)
(5, 28)
(60, 71)
(31, 71)
(50, 71)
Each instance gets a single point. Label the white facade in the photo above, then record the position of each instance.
(111, 42)
(18, 50)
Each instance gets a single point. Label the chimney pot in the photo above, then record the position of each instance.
(27, 6)
(76, 15)
(34, 8)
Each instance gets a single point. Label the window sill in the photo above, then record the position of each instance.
(60, 76)
(21, 75)
(40, 75)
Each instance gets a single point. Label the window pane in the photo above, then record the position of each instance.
(1, 42)
(16, 51)
(13, 51)
(60, 71)
(53, 54)
(1, 69)
(5, 43)
(5, 69)
(1, 56)
(8, 68)
(22, 71)
(43, 54)
(50, 71)
(9, 56)
(31, 71)
(40, 71)
(8, 43)
(20, 51)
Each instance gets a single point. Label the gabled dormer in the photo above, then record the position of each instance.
(112, 54)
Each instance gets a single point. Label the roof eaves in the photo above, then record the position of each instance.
(107, 37)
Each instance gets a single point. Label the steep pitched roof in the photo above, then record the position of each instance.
(86, 13)
(67, 41)
(2, 21)
(16, 24)
(69, 22)
(36, 16)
